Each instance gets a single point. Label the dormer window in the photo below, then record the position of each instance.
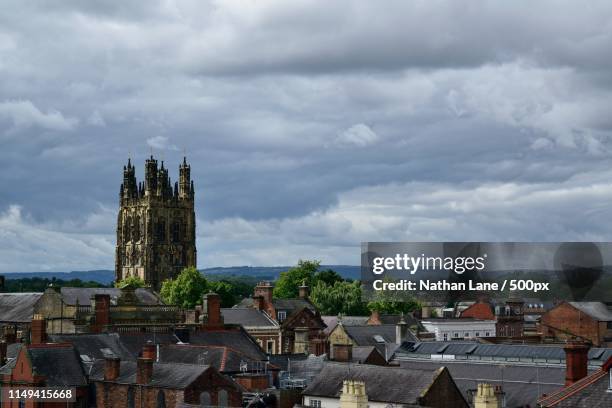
(281, 315)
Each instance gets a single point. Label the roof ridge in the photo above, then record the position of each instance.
(570, 390)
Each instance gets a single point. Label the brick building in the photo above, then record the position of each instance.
(301, 323)
(589, 321)
(42, 364)
(92, 310)
(265, 330)
(162, 385)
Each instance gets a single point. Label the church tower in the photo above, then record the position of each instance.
(155, 225)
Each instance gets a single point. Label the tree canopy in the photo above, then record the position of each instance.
(341, 297)
(186, 290)
(287, 285)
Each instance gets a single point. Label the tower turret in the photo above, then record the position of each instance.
(129, 181)
(151, 176)
(184, 180)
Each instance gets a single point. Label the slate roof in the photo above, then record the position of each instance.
(165, 375)
(17, 307)
(95, 346)
(247, 317)
(383, 384)
(224, 359)
(365, 335)
(361, 353)
(510, 352)
(58, 363)
(591, 391)
(70, 296)
(306, 368)
(237, 339)
(523, 384)
(292, 305)
(332, 321)
(596, 310)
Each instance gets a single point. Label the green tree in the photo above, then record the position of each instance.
(134, 281)
(328, 276)
(341, 297)
(225, 290)
(287, 285)
(186, 290)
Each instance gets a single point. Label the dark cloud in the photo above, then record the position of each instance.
(307, 131)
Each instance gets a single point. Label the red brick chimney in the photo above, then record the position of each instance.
(374, 319)
(102, 311)
(149, 350)
(343, 352)
(38, 330)
(264, 289)
(258, 302)
(112, 366)
(144, 370)
(212, 311)
(576, 361)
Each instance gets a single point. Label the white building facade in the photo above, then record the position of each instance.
(459, 329)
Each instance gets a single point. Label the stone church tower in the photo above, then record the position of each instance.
(155, 225)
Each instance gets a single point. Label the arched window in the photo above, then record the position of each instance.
(205, 399)
(222, 398)
(130, 397)
(161, 399)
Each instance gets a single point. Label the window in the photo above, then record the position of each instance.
(315, 403)
(467, 334)
(205, 399)
(487, 334)
(130, 397)
(281, 315)
(477, 334)
(222, 398)
(270, 347)
(456, 335)
(445, 336)
(161, 399)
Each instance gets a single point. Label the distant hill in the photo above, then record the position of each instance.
(106, 276)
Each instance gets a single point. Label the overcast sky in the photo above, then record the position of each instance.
(310, 127)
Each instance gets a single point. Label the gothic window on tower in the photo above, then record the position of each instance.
(160, 231)
(176, 227)
(137, 228)
(127, 229)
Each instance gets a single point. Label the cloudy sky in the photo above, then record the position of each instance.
(310, 126)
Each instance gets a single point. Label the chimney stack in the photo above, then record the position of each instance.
(38, 330)
(3, 352)
(401, 330)
(576, 361)
(304, 290)
(343, 353)
(101, 304)
(144, 370)
(112, 365)
(264, 289)
(374, 319)
(149, 351)
(212, 311)
(353, 394)
(10, 334)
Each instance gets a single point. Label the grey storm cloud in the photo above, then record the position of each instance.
(310, 126)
